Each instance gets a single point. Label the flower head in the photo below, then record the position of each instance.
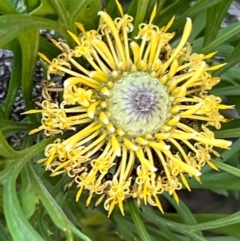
(140, 112)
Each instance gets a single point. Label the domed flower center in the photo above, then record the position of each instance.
(144, 101)
(139, 104)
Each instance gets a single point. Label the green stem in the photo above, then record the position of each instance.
(69, 235)
(138, 221)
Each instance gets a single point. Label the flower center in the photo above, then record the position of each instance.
(139, 103)
(144, 101)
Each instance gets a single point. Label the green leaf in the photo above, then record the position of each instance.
(15, 81)
(19, 227)
(43, 227)
(236, 101)
(229, 125)
(9, 127)
(162, 233)
(44, 8)
(28, 198)
(142, 7)
(224, 35)
(53, 209)
(215, 15)
(197, 45)
(231, 61)
(89, 18)
(227, 91)
(183, 211)
(176, 227)
(229, 133)
(47, 48)
(160, 6)
(29, 57)
(77, 8)
(232, 229)
(194, 10)
(199, 23)
(23, 156)
(138, 9)
(229, 220)
(159, 3)
(2, 113)
(167, 233)
(4, 236)
(220, 238)
(76, 11)
(224, 50)
(231, 76)
(5, 149)
(31, 4)
(69, 236)
(63, 15)
(9, 29)
(111, 8)
(227, 168)
(227, 154)
(217, 181)
(134, 211)
(177, 7)
(7, 8)
(126, 229)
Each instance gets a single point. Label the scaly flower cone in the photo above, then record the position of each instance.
(140, 112)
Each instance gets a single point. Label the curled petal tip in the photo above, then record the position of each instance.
(118, 153)
(135, 148)
(229, 143)
(194, 134)
(198, 173)
(168, 147)
(153, 169)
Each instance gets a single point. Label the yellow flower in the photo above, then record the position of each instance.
(140, 112)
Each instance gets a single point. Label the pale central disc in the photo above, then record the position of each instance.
(139, 103)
